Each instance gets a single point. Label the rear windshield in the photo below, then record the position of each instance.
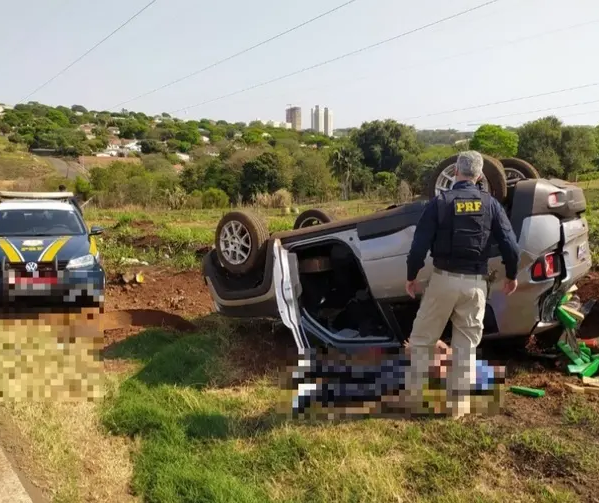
(40, 223)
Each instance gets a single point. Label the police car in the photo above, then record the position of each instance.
(343, 282)
(46, 251)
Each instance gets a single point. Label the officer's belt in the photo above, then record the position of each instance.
(459, 275)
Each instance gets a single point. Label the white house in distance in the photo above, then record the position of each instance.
(117, 146)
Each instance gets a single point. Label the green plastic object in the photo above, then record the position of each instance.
(577, 369)
(521, 390)
(586, 351)
(595, 357)
(591, 369)
(565, 298)
(565, 319)
(567, 350)
(585, 358)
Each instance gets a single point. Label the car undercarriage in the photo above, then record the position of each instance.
(342, 283)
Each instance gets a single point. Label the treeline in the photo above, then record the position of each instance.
(234, 163)
(381, 159)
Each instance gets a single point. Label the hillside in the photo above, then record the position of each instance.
(19, 167)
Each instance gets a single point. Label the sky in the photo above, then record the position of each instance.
(506, 50)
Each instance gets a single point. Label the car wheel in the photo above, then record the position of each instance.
(494, 180)
(518, 169)
(240, 242)
(310, 218)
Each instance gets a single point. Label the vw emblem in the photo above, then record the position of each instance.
(31, 267)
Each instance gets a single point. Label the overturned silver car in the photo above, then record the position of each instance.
(341, 283)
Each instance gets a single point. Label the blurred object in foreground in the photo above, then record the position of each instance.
(52, 357)
(329, 384)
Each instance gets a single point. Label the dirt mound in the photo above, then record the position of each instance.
(183, 293)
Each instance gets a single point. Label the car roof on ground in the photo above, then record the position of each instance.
(36, 204)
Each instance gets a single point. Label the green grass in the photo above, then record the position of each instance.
(177, 235)
(199, 439)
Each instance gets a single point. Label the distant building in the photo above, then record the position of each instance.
(328, 122)
(293, 115)
(317, 119)
(4, 108)
(275, 124)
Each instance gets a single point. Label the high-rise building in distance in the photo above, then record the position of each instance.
(317, 119)
(321, 120)
(328, 122)
(293, 115)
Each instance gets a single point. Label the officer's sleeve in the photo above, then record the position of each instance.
(503, 233)
(423, 239)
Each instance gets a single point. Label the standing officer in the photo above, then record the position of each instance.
(456, 226)
(74, 201)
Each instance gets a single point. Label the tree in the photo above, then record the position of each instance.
(157, 163)
(188, 134)
(540, 144)
(385, 143)
(132, 128)
(495, 141)
(79, 108)
(58, 118)
(263, 174)
(410, 170)
(151, 147)
(313, 177)
(386, 184)
(363, 179)
(253, 137)
(578, 149)
(344, 161)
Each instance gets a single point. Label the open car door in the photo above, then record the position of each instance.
(288, 291)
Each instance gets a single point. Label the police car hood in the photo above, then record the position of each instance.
(44, 248)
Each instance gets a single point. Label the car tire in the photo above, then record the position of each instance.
(492, 169)
(515, 166)
(240, 240)
(312, 217)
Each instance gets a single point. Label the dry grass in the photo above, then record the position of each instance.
(66, 451)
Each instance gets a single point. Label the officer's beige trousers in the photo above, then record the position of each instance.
(461, 298)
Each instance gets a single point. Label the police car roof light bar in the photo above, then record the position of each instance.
(36, 195)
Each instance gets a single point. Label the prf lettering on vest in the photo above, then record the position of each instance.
(468, 207)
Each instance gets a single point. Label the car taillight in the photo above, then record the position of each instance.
(545, 267)
(556, 199)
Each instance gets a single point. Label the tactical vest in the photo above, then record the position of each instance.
(464, 225)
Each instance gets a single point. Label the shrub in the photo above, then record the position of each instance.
(175, 198)
(214, 198)
(404, 192)
(281, 199)
(262, 199)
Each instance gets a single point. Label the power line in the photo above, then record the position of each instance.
(229, 58)
(484, 120)
(88, 51)
(511, 100)
(454, 56)
(338, 58)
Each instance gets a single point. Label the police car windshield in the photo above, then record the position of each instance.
(21, 222)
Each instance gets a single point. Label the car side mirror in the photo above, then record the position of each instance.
(95, 230)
